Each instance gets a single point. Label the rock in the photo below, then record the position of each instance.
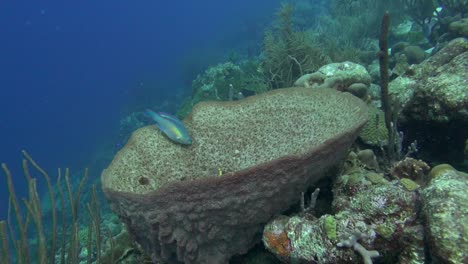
(368, 159)
(438, 90)
(249, 161)
(347, 72)
(374, 92)
(402, 90)
(338, 76)
(414, 54)
(445, 210)
(358, 89)
(374, 72)
(459, 28)
(402, 67)
(310, 80)
(439, 170)
(398, 48)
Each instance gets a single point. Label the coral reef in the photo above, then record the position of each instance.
(289, 54)
(404, 54)
(375, 133)
(340, 76)
(437, 92)
(459, 28)
(276, 238)
(59, 234)
(380, 214)
(306, 238)
(352, 241)
(368, 159)
(445, 210)
(419, 10)
(393, 220)
(226, 82)
(413, 169)
(268, 147)
(439, 170)
(409, 184)
(329, 226)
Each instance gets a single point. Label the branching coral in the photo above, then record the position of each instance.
(352, 241)
(62, 244)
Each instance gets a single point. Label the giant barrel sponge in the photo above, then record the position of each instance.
(250, 160)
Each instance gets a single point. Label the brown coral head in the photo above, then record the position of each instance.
(416, 170)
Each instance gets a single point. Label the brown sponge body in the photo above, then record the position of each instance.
(249, 161)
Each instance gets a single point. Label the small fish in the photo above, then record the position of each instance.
(171, 126)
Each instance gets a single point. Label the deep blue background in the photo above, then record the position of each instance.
(68, 68)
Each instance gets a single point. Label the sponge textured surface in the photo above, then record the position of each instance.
(249, 161)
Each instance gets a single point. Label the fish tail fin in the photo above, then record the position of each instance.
(150, 113)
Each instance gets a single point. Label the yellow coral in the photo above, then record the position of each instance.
(409, 184)
(376, 178)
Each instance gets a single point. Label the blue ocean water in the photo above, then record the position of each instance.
(70, 70)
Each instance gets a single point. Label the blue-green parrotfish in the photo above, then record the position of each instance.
(171, 126)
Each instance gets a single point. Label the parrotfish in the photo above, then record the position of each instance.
(171, 126)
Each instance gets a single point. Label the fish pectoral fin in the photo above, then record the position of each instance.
(172, 118)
